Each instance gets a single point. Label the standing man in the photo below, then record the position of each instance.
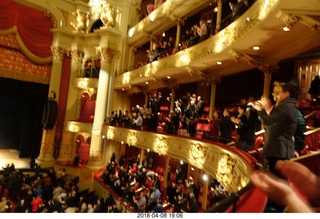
(280, 122)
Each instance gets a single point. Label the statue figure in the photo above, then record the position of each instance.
(107, 15)
(80, 24)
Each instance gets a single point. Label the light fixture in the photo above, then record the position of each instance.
(286, 29)
(219, 63)
(147, 82)
(140, 75)
(168, 77)
(163, 34)
(256, 48)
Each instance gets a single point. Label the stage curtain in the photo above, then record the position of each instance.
(32, 29)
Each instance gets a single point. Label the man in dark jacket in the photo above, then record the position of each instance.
(280, 122)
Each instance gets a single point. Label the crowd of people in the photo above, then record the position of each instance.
(139, 185)
(192, 35)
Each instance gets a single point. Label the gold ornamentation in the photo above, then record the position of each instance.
(161, 144)
(292, 20)
(107, 54)
(110, 133)
(58, 53)
(76, 56)
(65, 14)
(197, 152)
(106, 14)
(132, 138)
(225, 169)
(52, 18)
(81, 21)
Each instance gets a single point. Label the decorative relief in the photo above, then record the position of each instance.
(161, 144)
(197, 152)
(132, 138)
(81, 21)
(52, 18)
(76, 56)
(107, 54)
(106, 14)
(58, 53)
(225, 169)
(292, 20)
(110, 133)
(64, 13)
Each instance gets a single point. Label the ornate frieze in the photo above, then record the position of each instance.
(76, 56)
(107, 54)
(58, 53)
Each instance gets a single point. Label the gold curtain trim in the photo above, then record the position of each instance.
(32, 57)
(21, 76)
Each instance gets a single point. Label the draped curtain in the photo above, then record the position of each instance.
(31, 26)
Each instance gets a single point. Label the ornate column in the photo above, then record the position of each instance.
(173, 97)
(178, 33)
(49, 138)
(66, 152)
(205, 194)
(213, 83)
(267, 72)
(219, 14)
(95, 157)
(166, 170)
(146, 99)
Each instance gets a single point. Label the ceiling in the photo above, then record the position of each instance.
(261, 25)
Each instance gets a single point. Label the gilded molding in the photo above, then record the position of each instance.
(107, 54)
(292, 20)
(225, 168)
(65, 14)
(197, 153)
(52, 18)
(58, 53)
(132, 138)
(161, 144)
(76, 56)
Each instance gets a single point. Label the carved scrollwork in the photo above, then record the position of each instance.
(76, 56)
(225, 168)
(161, 143)
(58, 53)
(197, 152)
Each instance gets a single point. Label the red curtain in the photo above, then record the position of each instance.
(32, 25)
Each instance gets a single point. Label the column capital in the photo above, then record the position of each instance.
(76, 56)
(107, 54)
(58, 53)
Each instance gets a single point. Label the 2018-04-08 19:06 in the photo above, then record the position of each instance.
(159, 215)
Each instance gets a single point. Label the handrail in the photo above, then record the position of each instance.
(225, 203)
(310, 114)
(314, 130)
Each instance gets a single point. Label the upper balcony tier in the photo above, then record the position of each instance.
(261, 25)
(163, 18)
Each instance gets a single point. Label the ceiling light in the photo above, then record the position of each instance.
(219, 63)
(163, 34)
(122, 89)
(140, 75)
(256, 48)
(168, 77)
(286, 29)
(147, 82)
